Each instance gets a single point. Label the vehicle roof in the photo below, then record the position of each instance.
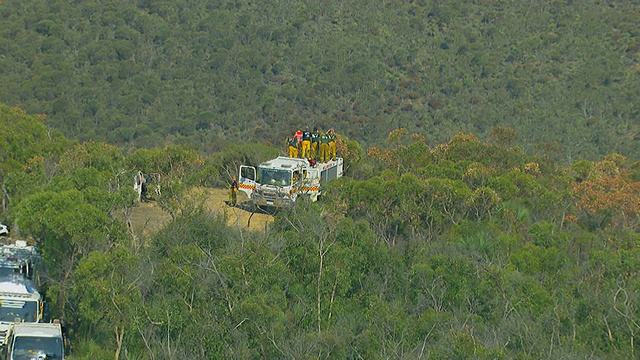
(18, 285)
(37, 329)
(15, 254)
(285, 163)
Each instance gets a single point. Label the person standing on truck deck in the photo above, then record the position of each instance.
(293, 147)
(324, 148)
(233, 194)
(298, 136)
(332, 144)
(315, 143)
(306, 145)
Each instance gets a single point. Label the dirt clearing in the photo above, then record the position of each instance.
(148, 218)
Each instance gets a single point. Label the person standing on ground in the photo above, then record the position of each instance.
(141, 182)
(233, 194)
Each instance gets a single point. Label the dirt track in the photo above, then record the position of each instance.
(147, 218)
(217, 199)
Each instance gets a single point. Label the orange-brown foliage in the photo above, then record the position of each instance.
(612, 192)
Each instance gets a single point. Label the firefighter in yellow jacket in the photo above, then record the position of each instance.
(233, 192)
(306, 145)
(332, 144)
(293, 147)
(324, 148)
(315, 144)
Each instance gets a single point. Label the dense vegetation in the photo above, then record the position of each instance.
(466, 249)
(563, 74)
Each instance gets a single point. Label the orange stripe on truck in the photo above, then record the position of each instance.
(313, 188)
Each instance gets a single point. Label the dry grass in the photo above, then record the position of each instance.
(148, 218)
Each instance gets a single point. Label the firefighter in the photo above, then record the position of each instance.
(293, 147)
(332, 144)
(315, 143)
(233, 193)
(298, 136)
(324, 147)
(306, 145)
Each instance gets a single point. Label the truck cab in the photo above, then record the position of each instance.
(36, 341)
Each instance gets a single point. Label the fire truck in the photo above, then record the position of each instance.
(281, 181)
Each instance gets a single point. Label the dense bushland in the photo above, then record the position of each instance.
(467, 249)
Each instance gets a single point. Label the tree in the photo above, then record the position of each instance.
(175, 171)
(28, 150)
(66, 228)
(107, 292)
(503, 135)
(608, 196)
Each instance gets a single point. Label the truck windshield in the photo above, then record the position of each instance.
(273, 177)
(8, 271)
(27, 348)
(12, 309)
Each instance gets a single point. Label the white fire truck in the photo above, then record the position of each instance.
(281, 181)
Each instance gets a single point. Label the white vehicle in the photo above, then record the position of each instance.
(4, 230)
(18, 257)
(281, 181)
(36, 341)
(20, 302)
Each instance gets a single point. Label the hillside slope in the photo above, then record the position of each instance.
(148, 73)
